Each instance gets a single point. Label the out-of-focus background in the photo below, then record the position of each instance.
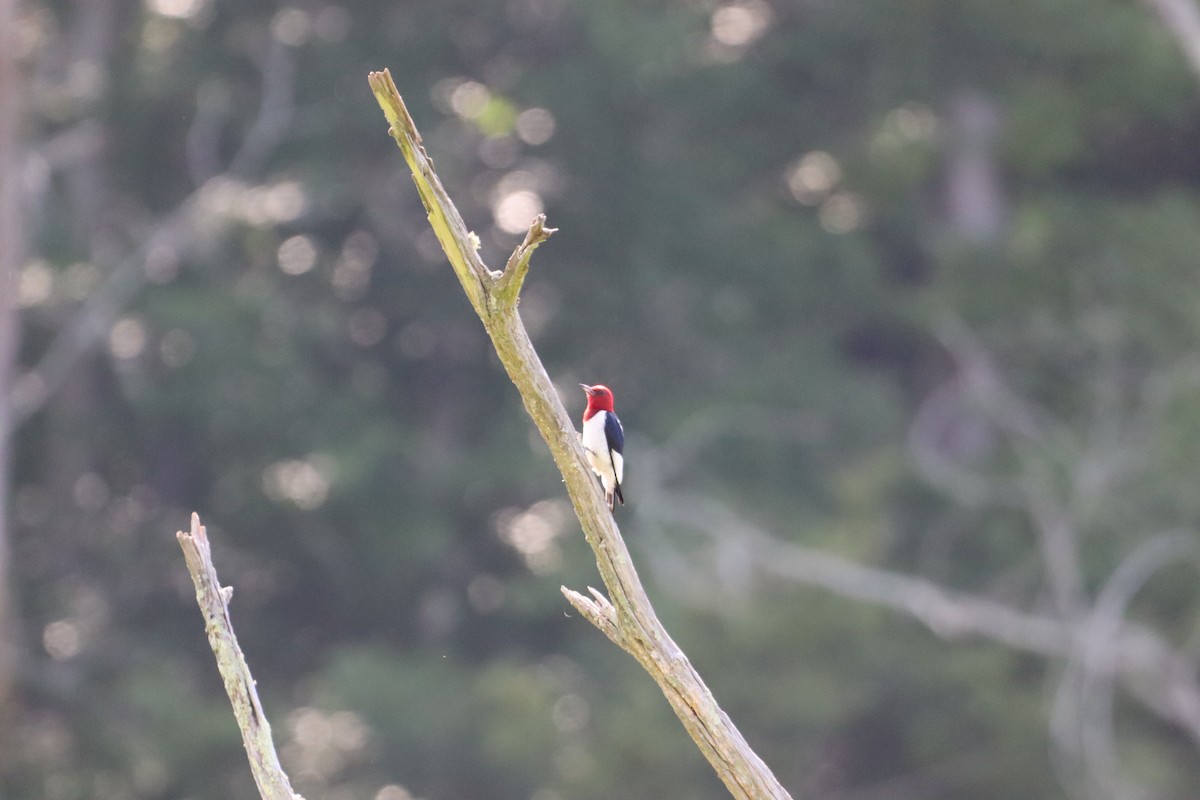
(901, 307)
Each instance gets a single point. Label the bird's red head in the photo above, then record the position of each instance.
(600, 398)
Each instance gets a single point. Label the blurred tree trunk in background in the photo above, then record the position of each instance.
(11, 251)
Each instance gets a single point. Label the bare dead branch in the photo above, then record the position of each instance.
(275, 111)
(946, 613)
(1162, 678)
(272, 781)
(1024, 423)
(1058, 539)
(940, 412)
(987, 386)
(1082, 719)
(202, 145)
(632, 623)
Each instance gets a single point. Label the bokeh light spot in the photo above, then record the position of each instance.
(535, 126)
(61, 640)
(35, 284)
(842, 213)
(393, 792)
(176, 9)
(127, 339)
(469, 99)
(740, 23)
(299, 482)
(813, 176)
(297, 255)
(485, 593)
(534, 532)
(514, 211)
(292, 26)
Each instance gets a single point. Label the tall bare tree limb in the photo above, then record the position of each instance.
(269, 776)
(629, 619)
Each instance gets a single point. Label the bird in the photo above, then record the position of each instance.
(604, 442)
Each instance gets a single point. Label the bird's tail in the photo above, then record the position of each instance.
(615, 494)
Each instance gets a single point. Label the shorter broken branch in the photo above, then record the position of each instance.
(597, 610)
(508, 287)
(272, 781)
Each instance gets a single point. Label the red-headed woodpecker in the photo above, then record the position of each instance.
(604, 442)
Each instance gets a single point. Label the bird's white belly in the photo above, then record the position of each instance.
(595, 443)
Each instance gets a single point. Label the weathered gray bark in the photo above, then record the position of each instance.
(213, 600)
(629, 619)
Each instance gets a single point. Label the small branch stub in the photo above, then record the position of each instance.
(597, 610)
(508, 286)
(213, 599)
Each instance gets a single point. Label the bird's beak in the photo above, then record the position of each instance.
(585, 387)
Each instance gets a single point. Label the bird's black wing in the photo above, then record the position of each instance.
(614, 433)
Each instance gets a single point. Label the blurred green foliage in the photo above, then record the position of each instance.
(759, 226)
